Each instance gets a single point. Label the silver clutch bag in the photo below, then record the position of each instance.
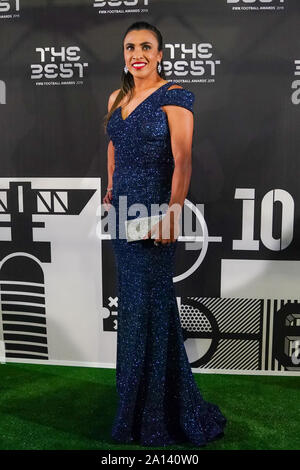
(137, 229)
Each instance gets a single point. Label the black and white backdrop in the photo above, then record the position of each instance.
(238, 282)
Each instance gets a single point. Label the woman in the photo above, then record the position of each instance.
(150, 124)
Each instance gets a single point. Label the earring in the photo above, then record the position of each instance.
(126, 69)
(159, 67)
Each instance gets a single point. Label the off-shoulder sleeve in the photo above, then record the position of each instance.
(178, 97)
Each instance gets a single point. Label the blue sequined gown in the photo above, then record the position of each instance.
(159, 401)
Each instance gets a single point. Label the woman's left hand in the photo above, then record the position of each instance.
(166, 230)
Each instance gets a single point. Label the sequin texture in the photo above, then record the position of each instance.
(159, 402)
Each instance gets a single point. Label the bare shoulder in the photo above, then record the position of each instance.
(174, 87)
(112, 98)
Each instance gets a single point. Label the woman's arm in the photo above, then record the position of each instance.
(110, 171)
(110, 163)
(110, 158)
(181, 124)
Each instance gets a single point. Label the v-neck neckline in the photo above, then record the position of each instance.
(142, 102)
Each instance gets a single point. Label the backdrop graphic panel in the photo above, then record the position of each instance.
(237, 265)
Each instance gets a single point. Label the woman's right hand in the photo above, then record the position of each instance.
(107, 199)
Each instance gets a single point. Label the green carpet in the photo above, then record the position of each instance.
(59, 407)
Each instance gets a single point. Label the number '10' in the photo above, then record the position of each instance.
(247, 241)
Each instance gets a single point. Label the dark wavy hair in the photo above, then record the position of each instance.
(127, 82)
